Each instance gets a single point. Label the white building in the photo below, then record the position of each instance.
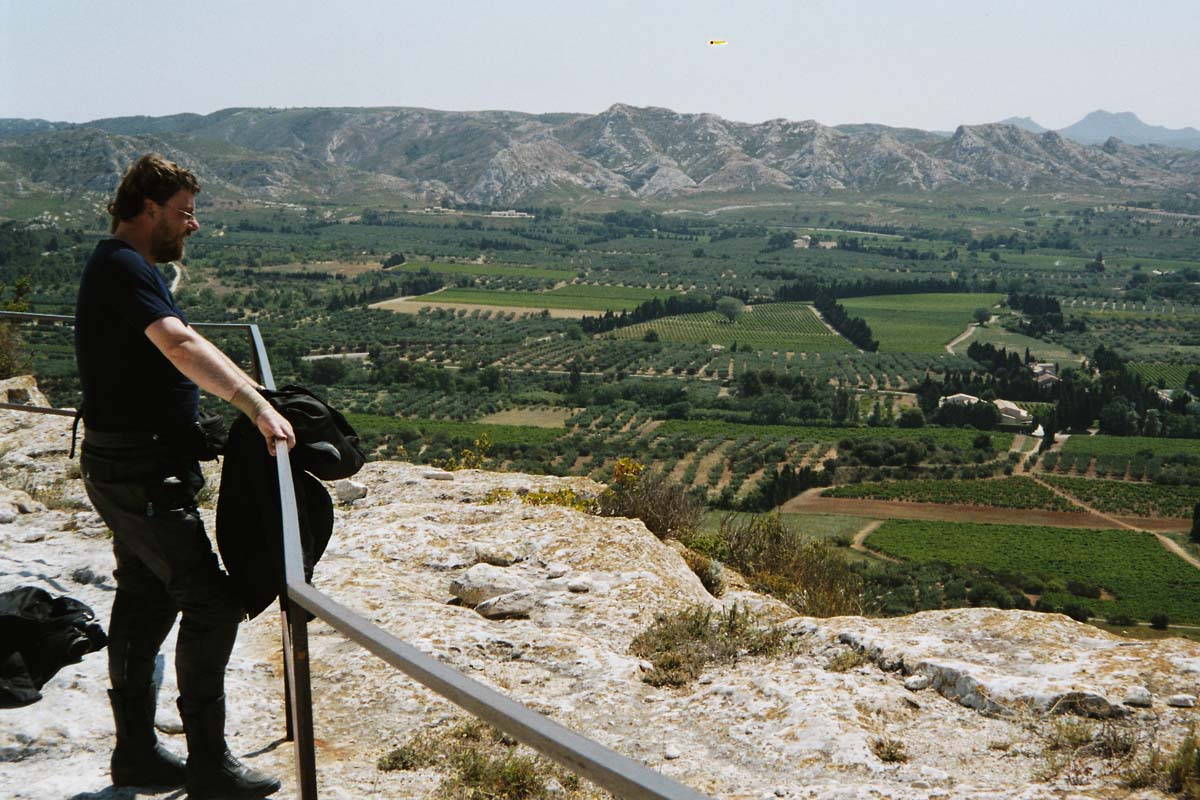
(1011, 413)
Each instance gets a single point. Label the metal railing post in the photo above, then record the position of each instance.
(296, 625)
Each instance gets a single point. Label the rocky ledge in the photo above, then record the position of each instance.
(541, 603)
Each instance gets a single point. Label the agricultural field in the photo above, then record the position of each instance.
(1017, 492)
(510, 435)
(1101, 445)
(535, 417)
(949, 437)
(1014, 342)
(491, 270)
(1130, 499)
(917, 323)
(1169, 376)
(1143, 577)
(1130, 457)
(584, 297)
(836, 527)
(777, 326)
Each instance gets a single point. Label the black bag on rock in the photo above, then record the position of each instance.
(39, 635)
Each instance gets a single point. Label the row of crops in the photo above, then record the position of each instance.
(1171, 376)
(1015, 492)
(1130, 446)
(1143, 578)
(578, 296)
(959, 438)
(780, 326)
(1130, 499)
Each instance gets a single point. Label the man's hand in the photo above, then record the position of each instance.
(275, 427)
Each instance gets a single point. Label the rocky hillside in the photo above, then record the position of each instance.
(941, 704)
(502, 157)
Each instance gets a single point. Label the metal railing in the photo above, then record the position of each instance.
(619, 774)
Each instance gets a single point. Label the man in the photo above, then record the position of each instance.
(140, 366)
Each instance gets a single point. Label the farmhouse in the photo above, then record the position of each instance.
(1047, 380)
(959, 399)
(802, 242)
(1044, 368)
(1012, 414)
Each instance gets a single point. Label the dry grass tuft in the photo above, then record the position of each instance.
(682, 644)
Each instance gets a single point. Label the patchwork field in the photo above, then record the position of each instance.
(777, 326)
(954, 437)
(1143, 578)
(453, 431)
(583, 296)
(1173, 376)
(1101, 445)
(1130, 499)
(917, 323)
(999, 493)
(496, 270)
(536, 417)
(1019, 343)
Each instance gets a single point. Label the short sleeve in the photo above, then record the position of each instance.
(137, 293)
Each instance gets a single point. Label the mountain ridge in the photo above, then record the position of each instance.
(506, 157)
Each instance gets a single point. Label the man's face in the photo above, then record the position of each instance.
(175, 222)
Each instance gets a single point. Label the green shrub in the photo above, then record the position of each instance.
(681, 644)
(808, 574)
(707, 569)
(1077, 612)
(666, 508)
(1160, 621)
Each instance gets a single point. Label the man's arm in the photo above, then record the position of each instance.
(213, 371)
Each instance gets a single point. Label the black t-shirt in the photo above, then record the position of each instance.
(128, 384)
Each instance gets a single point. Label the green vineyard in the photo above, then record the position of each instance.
(1000, 493)
(917, 323)
(1142, 576)
(1130, 499)
(779, 326)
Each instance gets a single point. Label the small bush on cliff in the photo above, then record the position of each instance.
(482, 762)
(473, 457)
(708, 570)
(681, 644)
(665, 507)
(808, 574)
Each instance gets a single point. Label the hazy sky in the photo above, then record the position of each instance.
(921, 63)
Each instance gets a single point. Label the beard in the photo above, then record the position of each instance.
(165, 245)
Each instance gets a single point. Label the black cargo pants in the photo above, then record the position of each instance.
(165, 564)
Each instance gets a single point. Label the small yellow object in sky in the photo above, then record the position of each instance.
(716, 42)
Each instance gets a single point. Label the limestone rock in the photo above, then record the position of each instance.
(1138, 697)
(348, 491)
(484, 581)
(508, 606)
(1182, 700)
(915, 683)
(22, 390)
(500, 555)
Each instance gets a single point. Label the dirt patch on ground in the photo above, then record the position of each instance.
(404, 306)
(536, 417)
(811, 502)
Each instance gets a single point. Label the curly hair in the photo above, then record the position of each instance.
(151, 177)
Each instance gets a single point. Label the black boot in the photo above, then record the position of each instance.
(212, 771)
(138, 759)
